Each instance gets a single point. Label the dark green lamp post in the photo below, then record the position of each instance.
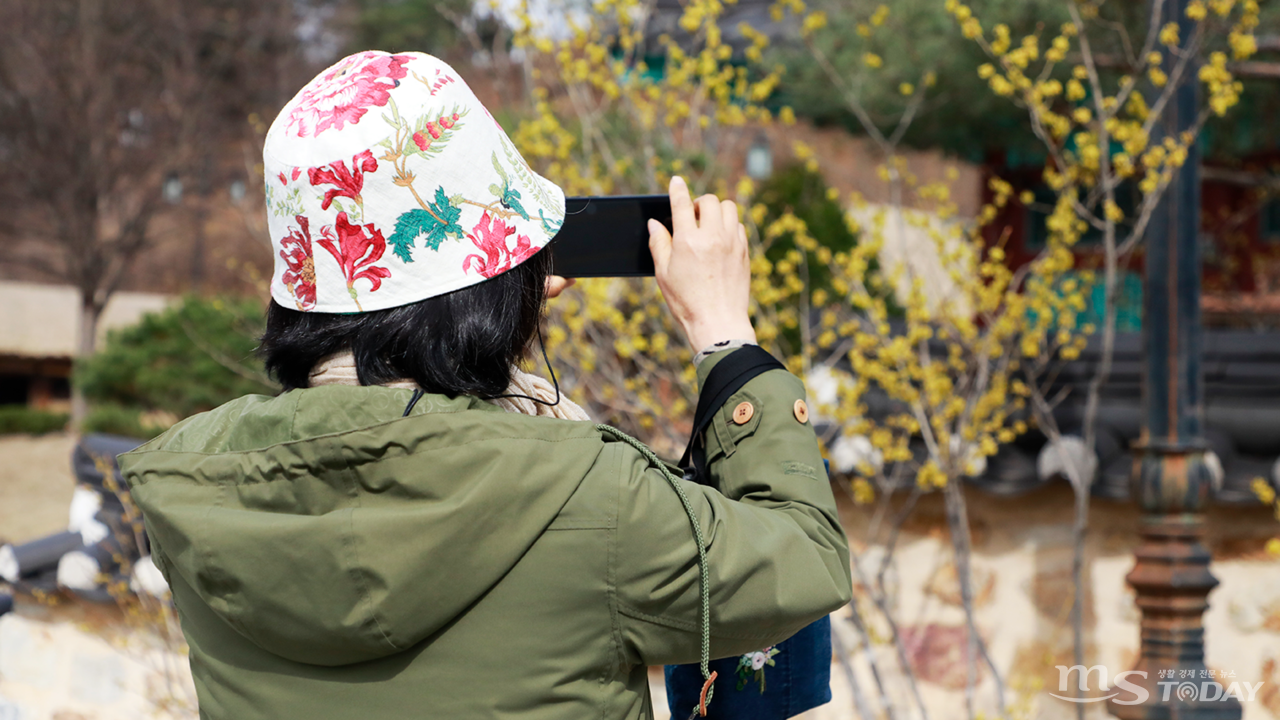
(1171, 480)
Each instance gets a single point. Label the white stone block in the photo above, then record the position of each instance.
(23, 657)
(97, 679)
(10, 710)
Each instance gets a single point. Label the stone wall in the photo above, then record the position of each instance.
(1023, 595)
(850, 163)
(81, 661)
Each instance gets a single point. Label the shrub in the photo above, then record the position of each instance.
(22, 419)
(120, 420)
(803, 192)
(187, 359)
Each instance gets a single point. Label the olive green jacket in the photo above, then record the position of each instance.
(332, 559)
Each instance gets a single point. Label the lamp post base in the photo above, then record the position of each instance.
(1173, 581)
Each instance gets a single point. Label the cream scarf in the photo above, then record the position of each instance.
(340, 369)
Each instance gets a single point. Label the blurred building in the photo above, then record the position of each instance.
(39, 329)
(1240, 306)
(1239, 241)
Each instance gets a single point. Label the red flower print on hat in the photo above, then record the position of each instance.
(349, 182)
(345, 93)
(490, 235)
(356, 252)
(300, 267)
(440, 81)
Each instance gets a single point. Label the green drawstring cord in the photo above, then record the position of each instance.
(704, 582)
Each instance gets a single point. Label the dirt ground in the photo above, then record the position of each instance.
(35, 485)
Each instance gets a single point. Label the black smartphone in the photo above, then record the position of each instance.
(608, 236)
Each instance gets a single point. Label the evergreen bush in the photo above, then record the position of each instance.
(187, 359)
(22, 419)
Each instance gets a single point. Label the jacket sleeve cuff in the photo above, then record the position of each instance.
(762, 435)
(708, 361)
(723, 345)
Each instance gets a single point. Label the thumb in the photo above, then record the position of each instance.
(659, 244)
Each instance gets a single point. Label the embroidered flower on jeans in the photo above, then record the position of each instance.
(348, 183)
(346, 92)
(751, 667)
(358, 247)
(300, 267)
(490, 236)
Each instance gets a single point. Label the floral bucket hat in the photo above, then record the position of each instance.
(389, 183)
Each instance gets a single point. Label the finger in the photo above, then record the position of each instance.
(659, 244)
(729, 214)
(557, 285)
(682, 217)
(709, 217)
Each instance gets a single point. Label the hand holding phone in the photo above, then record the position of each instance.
(703, 268)
(697, 251)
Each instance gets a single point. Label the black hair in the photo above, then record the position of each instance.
(461, 343)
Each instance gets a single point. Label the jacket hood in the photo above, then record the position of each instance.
(329, 530)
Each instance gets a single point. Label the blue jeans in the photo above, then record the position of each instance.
(799, 680)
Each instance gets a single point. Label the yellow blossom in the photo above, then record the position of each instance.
(1057, 51)
(1243, 45)
(1001, 86)
(813, 21)
(1263, 490)
(863, 493)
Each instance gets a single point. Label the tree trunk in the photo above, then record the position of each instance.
(90, 313)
